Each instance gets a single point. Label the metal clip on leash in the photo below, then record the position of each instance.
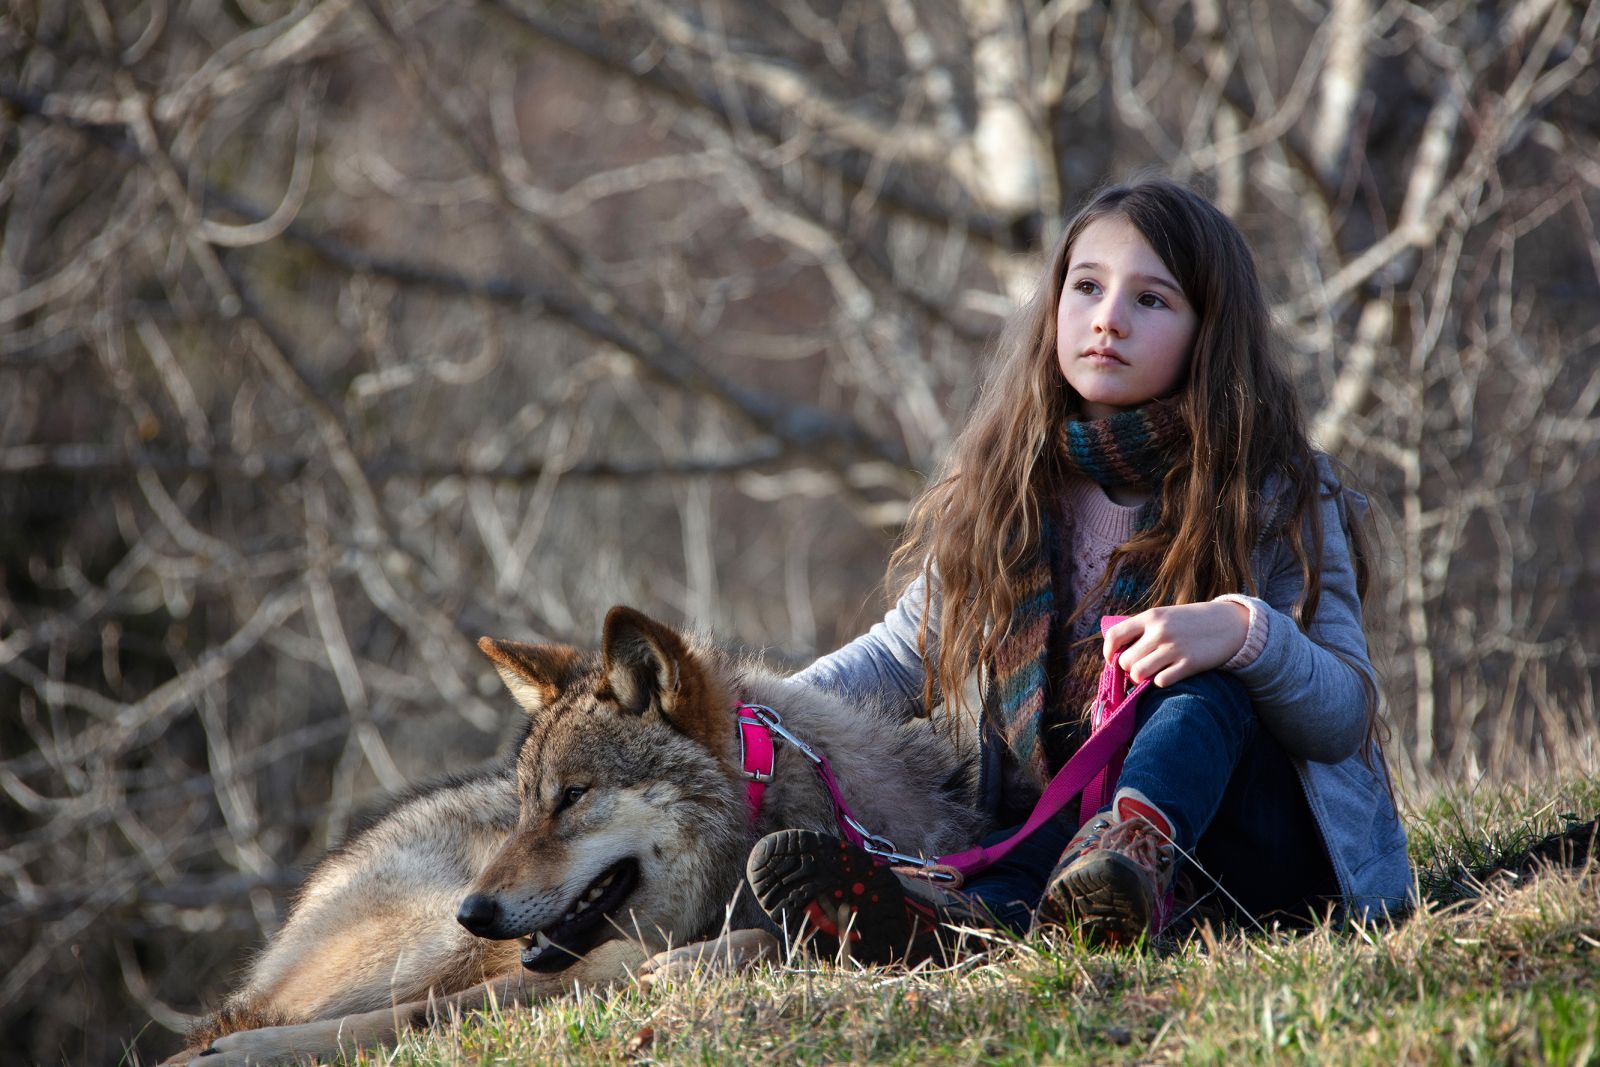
(884, 849)
(774, 722)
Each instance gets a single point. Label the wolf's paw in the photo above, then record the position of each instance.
(259, 1048)
(737, 950)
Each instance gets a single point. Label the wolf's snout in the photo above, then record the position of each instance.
(479, 914)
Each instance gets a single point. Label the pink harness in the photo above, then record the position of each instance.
(1092, 772)
(756, 754)
(757, 724)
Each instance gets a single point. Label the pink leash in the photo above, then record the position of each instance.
(1092, 771)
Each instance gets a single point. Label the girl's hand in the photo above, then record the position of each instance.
(1170, 644)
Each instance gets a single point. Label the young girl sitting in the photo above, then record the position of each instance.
(1136, 451)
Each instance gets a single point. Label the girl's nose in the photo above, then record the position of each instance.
(1110, 318)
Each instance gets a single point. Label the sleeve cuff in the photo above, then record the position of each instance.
(1255, 638)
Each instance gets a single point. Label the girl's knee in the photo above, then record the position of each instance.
(1219, 691)
(1213, 685)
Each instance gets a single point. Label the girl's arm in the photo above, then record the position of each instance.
(883, 666)
(1309, 687)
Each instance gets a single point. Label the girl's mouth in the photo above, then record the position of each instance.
(1097, 354)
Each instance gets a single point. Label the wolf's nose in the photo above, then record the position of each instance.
(478, 914)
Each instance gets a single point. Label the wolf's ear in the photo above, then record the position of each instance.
(535, 674)
(649, 666)
(642, 661)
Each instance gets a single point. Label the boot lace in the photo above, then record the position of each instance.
(1139, 840)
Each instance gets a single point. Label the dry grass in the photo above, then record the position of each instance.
(1496, 968)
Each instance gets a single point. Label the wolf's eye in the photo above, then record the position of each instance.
(570, 796)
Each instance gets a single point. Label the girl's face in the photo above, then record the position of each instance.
(1123, 327)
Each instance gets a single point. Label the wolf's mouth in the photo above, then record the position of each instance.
(586, 925)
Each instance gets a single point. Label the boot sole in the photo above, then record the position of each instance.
(828, 889)
(1104, 896)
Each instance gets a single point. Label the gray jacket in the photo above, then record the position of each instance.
(1308, 687)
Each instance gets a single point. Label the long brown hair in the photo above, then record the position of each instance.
(978, 524)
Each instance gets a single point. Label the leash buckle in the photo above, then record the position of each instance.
(760, 769)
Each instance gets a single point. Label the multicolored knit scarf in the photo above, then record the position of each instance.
(1133, 449)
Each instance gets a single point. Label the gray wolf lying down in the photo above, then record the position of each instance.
(617, 830)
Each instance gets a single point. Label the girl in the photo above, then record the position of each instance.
(1136, 451)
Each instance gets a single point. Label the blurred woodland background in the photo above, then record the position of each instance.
(336, 334)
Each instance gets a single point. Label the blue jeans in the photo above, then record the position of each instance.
(1234, 797)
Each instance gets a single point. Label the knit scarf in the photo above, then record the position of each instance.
(1132, 449)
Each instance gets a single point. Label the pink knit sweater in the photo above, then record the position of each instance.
(1099, 524)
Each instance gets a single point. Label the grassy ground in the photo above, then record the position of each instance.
(1499, 968)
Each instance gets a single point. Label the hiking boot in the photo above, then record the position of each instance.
(838, 895)
(1113, 883)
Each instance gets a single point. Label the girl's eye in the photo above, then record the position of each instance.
(1152, 300)
(1085, 286)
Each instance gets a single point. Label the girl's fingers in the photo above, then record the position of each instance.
(1131, 650)
(1174, 673)
(1148, 662)
(1120, 636)
(1169, 644)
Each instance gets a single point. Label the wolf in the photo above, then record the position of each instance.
(612, 842)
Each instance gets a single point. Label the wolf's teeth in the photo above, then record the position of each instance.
(540, 940)
(568, 916)
(593, 894)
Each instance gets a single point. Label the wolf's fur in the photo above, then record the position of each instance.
(646, 729)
